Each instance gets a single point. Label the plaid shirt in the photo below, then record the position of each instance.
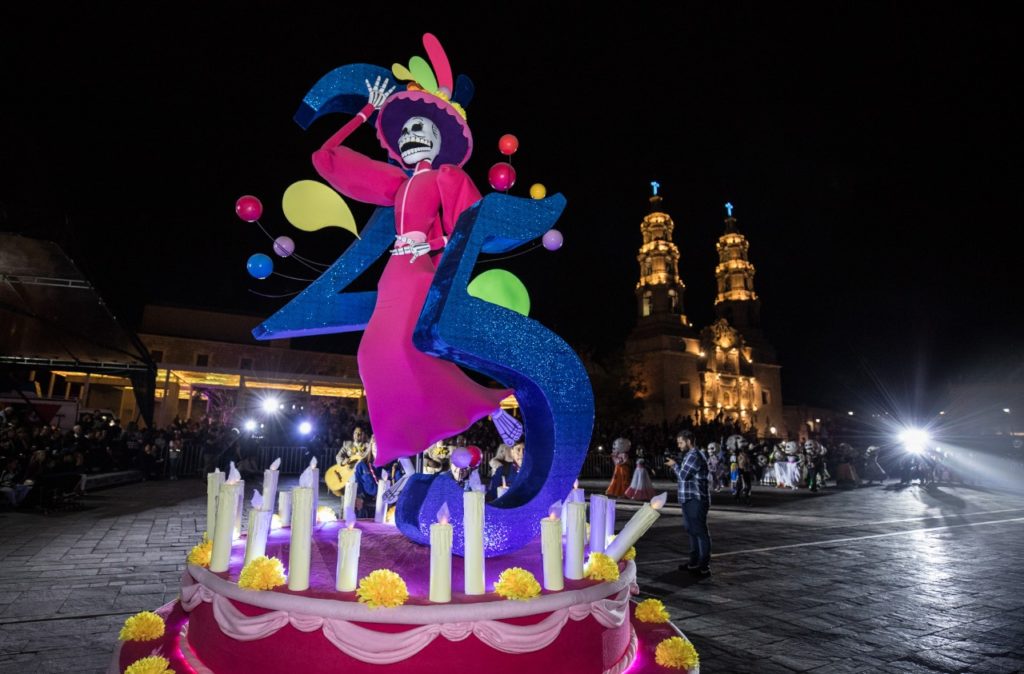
(692, 475)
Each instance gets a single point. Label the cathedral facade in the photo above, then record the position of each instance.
(727, 370)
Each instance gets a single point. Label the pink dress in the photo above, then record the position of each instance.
(414, 400)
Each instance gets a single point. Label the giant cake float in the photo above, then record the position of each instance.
(447, 579)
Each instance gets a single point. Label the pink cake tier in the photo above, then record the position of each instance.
(219, 628)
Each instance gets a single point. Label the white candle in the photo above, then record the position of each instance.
(256, 533)
(473, 532)
(575, 537)
(284, 508)
(236, 530)
(315, 486)
(381, 511)
(441, 558)
(609, 521)
(225, 520)
(302, 535)
(213, 482)
(348, 503)
(551, 549)
(577, 495)
(270, 477)
(636, 527)
(598, 511)
(349, 539)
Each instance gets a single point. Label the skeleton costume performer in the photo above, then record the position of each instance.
(413, 399)
(620, 478)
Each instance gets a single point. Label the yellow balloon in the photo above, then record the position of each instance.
(538, 191)
(310, 205)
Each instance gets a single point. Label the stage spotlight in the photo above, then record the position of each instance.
(305, 428)
(249, 425)
(269, 405)
(914, 439)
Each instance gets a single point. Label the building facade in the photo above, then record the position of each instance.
(727, 370)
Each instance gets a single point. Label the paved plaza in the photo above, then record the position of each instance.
(876, 579)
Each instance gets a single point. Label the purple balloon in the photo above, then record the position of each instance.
(552, 239)
(284, 246)
(462, 457)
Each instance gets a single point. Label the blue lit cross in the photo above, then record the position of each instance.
(728, 209)
(654, 186)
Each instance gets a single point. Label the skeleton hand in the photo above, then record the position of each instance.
(410, 247)
(378, 92)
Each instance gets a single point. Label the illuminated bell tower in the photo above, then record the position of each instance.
(659, 293)
(736, 300)
(664, 348)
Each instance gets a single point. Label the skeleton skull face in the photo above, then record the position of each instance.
(420, 140)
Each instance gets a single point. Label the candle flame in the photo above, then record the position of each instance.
(443, 514)
(575, 484)
(216, 471)
(233, 474)
(312, 462)
(276, 465)
(503, 483)
(555, 510)
(658, 501)
(257, 499)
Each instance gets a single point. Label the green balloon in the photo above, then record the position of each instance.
(500, 287)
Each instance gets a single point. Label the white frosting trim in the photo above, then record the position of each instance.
(500, 609)
(371, 646)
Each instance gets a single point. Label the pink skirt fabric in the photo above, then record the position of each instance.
(413, 399)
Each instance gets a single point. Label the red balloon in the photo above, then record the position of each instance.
(249, 208)
(475, 455)
(508, 144)
(502, 176)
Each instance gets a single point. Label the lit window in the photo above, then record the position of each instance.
(766, 397)
(647, 303)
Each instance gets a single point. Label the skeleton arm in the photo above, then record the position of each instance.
(377, 94)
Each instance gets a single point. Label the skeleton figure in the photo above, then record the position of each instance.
(413, 399)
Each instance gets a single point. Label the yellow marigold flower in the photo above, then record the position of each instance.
(201, 553)
(630, 554)
(602, 567)
(382, 587)
(677, 653)
(262, 573)
(144, 626)
(651, 611)
(154, 664)
(516, 583)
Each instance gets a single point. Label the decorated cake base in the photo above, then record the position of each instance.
(216, 626)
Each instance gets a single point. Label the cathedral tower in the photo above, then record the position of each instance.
(659, 292)
(736, 300)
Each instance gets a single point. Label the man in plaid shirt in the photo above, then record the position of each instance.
(692, 475)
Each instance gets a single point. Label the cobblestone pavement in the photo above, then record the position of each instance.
(868, 580)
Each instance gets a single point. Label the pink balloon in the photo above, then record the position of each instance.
(284, 246)
(502, 176)
(475, 456)
(552, 239)
(462, 457)
(249, 208)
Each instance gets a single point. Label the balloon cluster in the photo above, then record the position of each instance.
(466, 457)
(502, 176)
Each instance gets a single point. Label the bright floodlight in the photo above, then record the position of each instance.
(915, 439)
(250, 424)
(305, 428)
(269, 405)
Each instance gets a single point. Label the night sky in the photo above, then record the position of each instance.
(872, 153)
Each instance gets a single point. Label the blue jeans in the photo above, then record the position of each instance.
(695, 519)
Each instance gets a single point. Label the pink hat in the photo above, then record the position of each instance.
(431, 97)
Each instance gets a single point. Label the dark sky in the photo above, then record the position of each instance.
(872, 151)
